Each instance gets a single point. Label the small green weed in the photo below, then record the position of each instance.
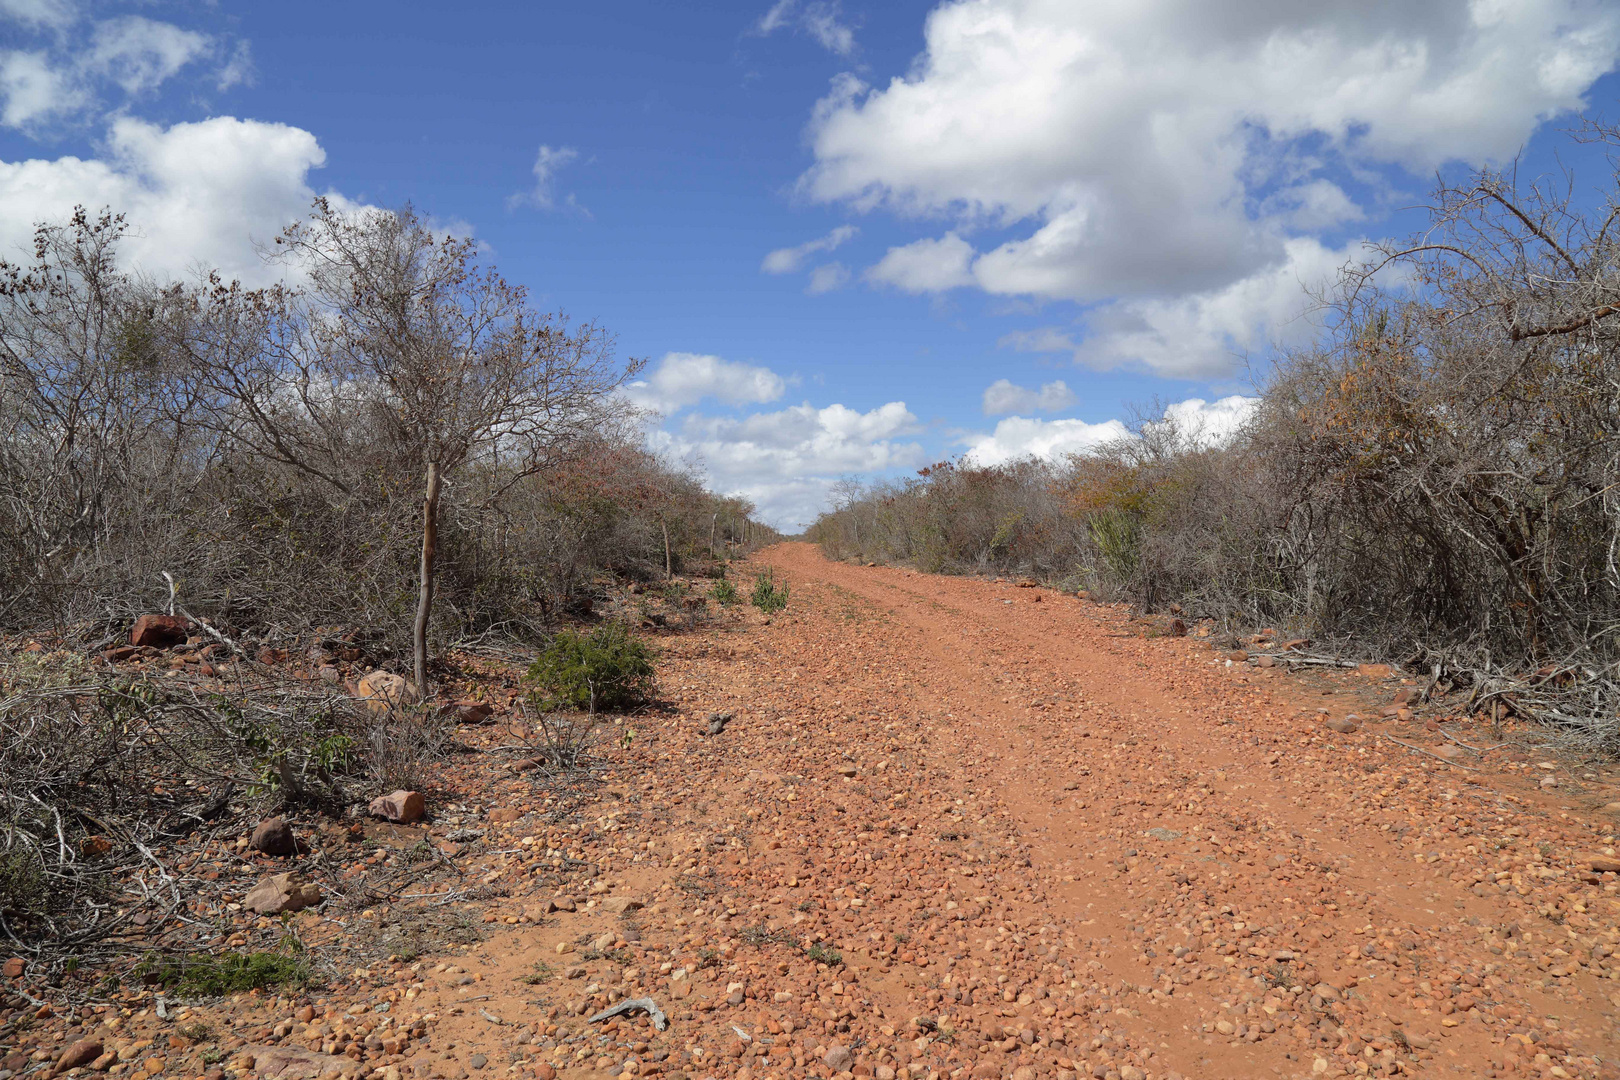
(230, 973)
(821, 954)
(724, 593)
(542, 971)
(768, 596)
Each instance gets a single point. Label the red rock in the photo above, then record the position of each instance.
(158, 632)
(384, 692)
(14, 967)
(282, 892)
(273, 836)
(471, 712)
(1373, 671)
(1604, 864)
(399, 806)
(80, 1053)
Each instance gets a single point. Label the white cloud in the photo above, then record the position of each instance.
(925, 266)
(32, 90)
(195, 194)
(237, 70)
(683, 379)
(1205, 422)
(139, 54)
(1020, 437)
(821, 19)
(1164, 152)
(39, 14)
(547, 163)
(786, 461)
(1202, 334)
(828, 278)
(1211, 422)
(1003, 397)
(789, 260)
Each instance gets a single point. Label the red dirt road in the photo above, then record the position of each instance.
(960, 829)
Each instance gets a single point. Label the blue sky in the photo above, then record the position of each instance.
(849, 238)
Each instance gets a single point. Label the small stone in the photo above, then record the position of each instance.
(504, 815)
(837, 1058)
(14, 967)
(384, 692)
(1604, 864)
(158, 632)
(1238, 656)
(478, 1061)
(1263, 661)
(847, 771)
(1126, 1072)
(399, 806)
(80, 1053)
(471, 712)
(330, 675)
(1549, 782)
(1344, 725)
(273, 836)
(620, 905)
(282, 892)
(543, 1071)
(1161, 833)
(1373, 671)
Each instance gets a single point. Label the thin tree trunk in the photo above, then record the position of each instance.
(424, 600)
(669, 566)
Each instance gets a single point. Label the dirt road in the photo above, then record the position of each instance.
(965, 829)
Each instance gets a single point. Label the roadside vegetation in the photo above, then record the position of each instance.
(1436, 481)
(386, 465)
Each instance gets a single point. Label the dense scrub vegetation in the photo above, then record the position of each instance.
(266, 450)
(1437, 479)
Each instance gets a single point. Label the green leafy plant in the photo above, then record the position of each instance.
(605, 670)
(822, 954)
(768, 596)
(232, 972)
(724, 593)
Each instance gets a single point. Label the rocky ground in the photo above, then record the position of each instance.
(953, 828)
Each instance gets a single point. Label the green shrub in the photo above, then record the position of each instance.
(232, 972)
(605, 670)
(724, 593)
(821, 954)
(768, 596)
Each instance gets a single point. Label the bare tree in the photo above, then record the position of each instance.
(396, 333)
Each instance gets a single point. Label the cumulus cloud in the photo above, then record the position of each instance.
(1020, 437)
(1211, 423)
(1208, 423)
(196, 195)
(547, 163)
(786, 461)
(683, 379)
(789, 260)
(821, 19)
(32, 89)
(1202, 334)
(1003, 397)
(1163, 152)
(925, 266)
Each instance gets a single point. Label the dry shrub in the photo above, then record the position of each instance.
(120, 462)
(1436, 481)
